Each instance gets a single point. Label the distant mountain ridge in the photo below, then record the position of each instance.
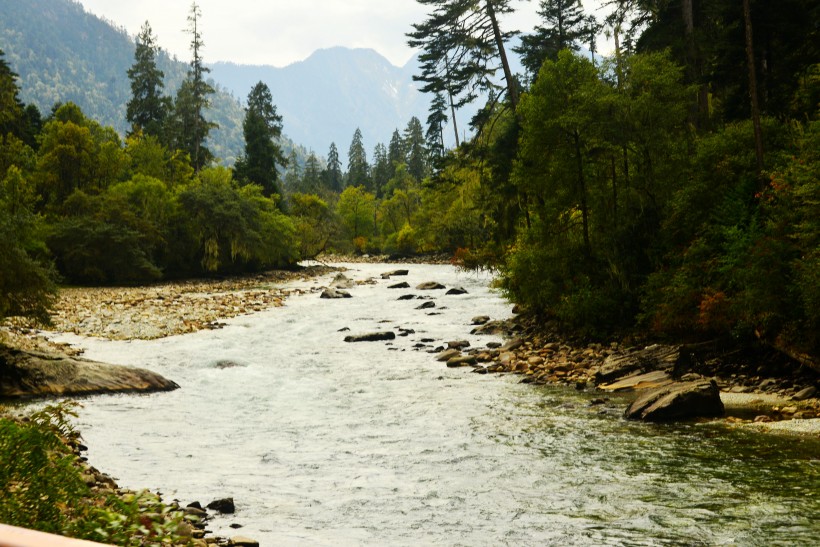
(324, 98)
(62, 53)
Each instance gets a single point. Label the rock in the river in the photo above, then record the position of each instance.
(371, 337)
(407, 297)
(388, 275)
(341, 281)
(332, 292)
(463, 361)
(223, 505)
(37, 374)
(426, 306)
(490, 327)
(456, 291)
(458, 344)
(430, 286)
(447, 354)
(480, 319)
(804, 394)
(677, 401)
(402, 285)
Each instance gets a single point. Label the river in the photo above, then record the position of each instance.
(322, 442)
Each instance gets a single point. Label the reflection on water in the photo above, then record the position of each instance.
(326, 443)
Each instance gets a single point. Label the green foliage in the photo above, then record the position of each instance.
(43, 488)
(262, 129)
(314, 223)
(357, 212)
(148, 108)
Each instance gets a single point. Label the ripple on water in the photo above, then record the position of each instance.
(326, 443)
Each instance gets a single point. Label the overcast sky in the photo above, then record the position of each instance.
(280, 32)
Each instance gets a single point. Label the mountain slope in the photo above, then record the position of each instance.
(324, 98)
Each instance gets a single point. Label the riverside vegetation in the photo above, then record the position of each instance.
(670, 191)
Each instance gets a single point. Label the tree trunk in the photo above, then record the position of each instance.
(450, 97)
(499, 42)
(750, 58)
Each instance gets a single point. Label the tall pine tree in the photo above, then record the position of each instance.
(565, 27)
(335, 177)
(357, 168)
(262, 128)
(148, 108)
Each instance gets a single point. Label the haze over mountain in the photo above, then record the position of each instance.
(324, 98)
(62, 53)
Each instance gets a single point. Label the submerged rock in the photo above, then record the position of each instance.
(371, 337)
(341, 281)
(388, 275)
(333, 293)
(430, 286)
(678, 401)
(456, 291)
(37, 374)
(426, 306)
(224, 505)
(402, 285)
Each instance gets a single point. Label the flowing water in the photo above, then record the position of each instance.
(323, 442)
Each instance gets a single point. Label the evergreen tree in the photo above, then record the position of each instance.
(335, 177)
(435, 127)
(462, 47)
(293, 175)
(382, 169)
(357, 167)
(262, 128)
(11, 109)
(414, 143)
(191, 128)
(565, 27)
(396, 154)
(148, 108)
(311, 176)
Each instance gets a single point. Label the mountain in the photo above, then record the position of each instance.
(324, 98)
(62, 53)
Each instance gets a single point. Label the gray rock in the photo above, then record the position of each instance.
(480, 319)
(402, 285)
(223, 505)
(512, 345)
(430, 286)
(333, 293)
(655, 357)
(37, 374)
(677, 401)
(426, 306)
(491, 327)
(407, 297)
(388, 275)
(371, 337)
(456, 291)
(341, 281)
(804, 394)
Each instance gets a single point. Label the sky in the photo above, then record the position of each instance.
(281, 32)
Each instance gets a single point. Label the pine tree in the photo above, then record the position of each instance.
(262, 128)
(414, 143)
(565, 27)
(382, 169)
(396, 155)
(191, 129)
(148, 108)
(357, 167)
(435, 126)
(335, 177)
(11, 109)
(462, 48)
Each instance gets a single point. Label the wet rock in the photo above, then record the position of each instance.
(388, 275)
(447, 354)
(458, 344)
(333, 293)
(491, 327)
(426, 306)
(226, 363)
(464, 361)
(677, 401)
(479, 319)
(430, 286)
(38, 374)
(493, 345)
(512, 345)
(804, 394)
(224, 505)
(635, 382)
(456, 291)
(407, 297)
(402, 285)
(341, 281)
(371, 337)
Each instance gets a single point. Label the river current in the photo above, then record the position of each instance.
(322, 442)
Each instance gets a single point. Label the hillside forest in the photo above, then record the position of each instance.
(672, 187)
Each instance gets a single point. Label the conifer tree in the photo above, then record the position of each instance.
(565, 27)
(396, 154)
(435, 126)
(382, 169)
(148, 108)
(262, 128)
(414, 143)
(357, 167)
(335, 176)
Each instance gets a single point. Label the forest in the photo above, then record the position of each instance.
(670, 188)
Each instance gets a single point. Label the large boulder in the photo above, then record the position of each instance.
(36, 374)
(430, 286)
(333, 293)
(677, 401)
(655, 357)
